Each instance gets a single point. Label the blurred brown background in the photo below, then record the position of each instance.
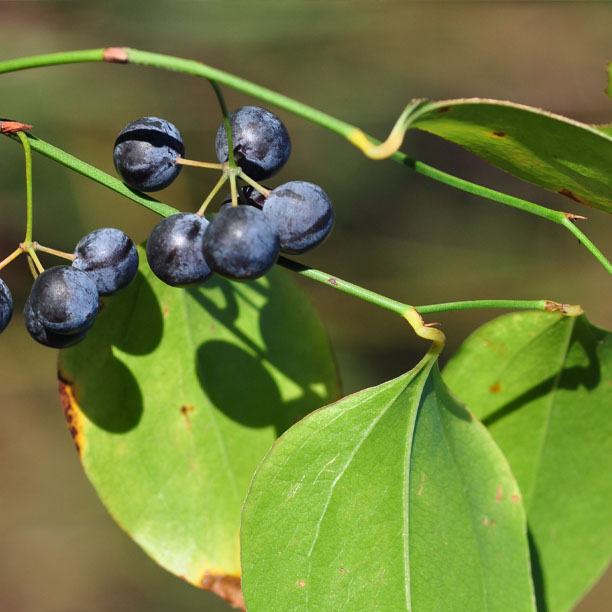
(396, 233)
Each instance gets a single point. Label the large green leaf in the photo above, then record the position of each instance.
(174, 398)
(542, 383)
(392, 499)
(571, 158)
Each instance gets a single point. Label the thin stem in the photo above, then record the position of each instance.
(198, 164)
(32, 253)
(470, 304)
(247, 179)
(234, 189)
(228, 129)
(62, 254)
(32, 267)
(28, 172)
(7, 260)
(212, 194)
(587, 243)
(48, 150)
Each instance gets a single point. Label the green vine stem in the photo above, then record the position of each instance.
(28, 172)
(401, 308)
(353, 134)
(164, 210)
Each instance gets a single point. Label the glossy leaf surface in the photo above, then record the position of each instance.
(542, 383)
(176, 396)
(392, 499)
(552, 151)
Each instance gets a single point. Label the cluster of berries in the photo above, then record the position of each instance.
(64, 300)
(241, 242)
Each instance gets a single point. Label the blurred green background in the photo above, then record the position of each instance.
(396, 232)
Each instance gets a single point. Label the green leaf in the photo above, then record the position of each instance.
(542, 383)
(393, 499)
(554, 152)
(174, 398)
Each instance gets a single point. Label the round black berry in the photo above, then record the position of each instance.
(146, 151)
(47, 337)
(260, 140)
(64, 300)
(240, 244)
(6, 306)
(174, 250)
(109, 256)
(301, 213)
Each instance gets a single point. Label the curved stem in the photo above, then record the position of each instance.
(28, 172)
(48, 150)
(348, 131)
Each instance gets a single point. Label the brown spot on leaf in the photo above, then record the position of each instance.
(301, 583)
(516, 498)
(12, 127)
(495, 387)
(116, 55)
(333, 282)
(342, 570)
(500, 493)
(443, 109)
(499, 134)
(572, 196)
(72, 412)
(165, 311)
(185, 411)
(226, 586)
(485, 521)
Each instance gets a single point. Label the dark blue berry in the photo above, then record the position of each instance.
(64, 300)
(146, 151)
(301, 213)
(6, 306)
(47, 337)
(109, 257)
(174, 250)
(260, 140)
(240, 244)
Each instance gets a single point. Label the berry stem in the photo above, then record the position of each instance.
(7, 260)
(228, 130)
(44, 249)
(28, 172)
(212, 194)
(32, 267)
(234, 189)
(34, 258)
(247, 179)
(198, 164)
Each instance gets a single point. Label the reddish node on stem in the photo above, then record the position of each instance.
(12, 127)
(573, 217)
(116, 55)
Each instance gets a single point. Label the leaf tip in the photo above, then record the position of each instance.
(226, 586)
